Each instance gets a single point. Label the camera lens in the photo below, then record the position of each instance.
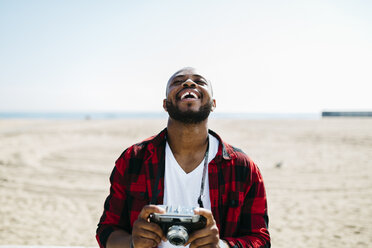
(177, 235)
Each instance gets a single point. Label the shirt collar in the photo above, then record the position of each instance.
(224, 150)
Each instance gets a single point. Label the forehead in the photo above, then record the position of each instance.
(184, 73)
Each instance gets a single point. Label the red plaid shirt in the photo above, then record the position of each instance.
(237, 193)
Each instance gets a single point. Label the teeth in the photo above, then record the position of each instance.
(192, 93)
(189, 93)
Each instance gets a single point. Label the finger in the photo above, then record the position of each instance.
(205, 241)
(210, 231)
(149, 209)
(204, 234)
(144, 242)
(143, 233)
(204, 246)
(141, 224)
(155, 228)
(206, 213)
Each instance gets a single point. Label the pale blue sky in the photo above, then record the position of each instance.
(261, 56)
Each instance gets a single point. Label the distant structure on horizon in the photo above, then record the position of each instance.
(347, 114)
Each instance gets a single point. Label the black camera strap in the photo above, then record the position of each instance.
(161, 169)
(200, 202)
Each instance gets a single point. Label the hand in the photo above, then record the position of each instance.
(208, 236)
(146, 234)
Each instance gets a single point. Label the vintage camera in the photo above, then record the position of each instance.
(178, 222)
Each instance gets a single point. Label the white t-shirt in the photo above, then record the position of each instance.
(183, 189)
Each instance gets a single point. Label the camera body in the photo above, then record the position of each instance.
(178, 222)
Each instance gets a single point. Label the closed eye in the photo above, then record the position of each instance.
(177, 82)
(200, 82)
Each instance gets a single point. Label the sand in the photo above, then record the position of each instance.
(318, 176)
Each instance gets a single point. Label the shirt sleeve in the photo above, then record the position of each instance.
(115, 215)
(253, 224)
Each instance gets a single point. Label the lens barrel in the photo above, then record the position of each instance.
(177, 235)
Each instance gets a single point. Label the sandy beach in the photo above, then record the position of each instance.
(318, 176)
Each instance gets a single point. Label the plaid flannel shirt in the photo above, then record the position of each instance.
(237, 193)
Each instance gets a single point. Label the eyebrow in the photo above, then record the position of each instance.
(194, 75)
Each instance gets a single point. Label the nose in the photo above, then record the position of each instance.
(189, 83)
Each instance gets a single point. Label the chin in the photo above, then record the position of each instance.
(189, 115)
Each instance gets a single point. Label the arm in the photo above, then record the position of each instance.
(114, 228)
(145, 234)
(112, 220)
(245, 221)
(119, 239)
(253, 219)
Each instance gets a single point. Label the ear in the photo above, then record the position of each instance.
(165, 105)
(213, 104)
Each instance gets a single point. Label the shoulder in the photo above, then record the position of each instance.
(137, 153)
(238, 155)
(239, 159)
(230, 152)
(236, 160)
(147, 144)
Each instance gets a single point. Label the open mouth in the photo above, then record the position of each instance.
(189, 95)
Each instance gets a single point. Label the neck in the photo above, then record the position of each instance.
(187, 138)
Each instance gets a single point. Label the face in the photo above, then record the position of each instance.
(189, 97)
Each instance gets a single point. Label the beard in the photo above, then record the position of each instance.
(189, 116)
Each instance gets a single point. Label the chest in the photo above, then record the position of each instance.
(189, 162)
(184, 189)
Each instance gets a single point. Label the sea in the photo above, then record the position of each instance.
(149, 115)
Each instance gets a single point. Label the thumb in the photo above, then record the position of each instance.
(206, 213)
